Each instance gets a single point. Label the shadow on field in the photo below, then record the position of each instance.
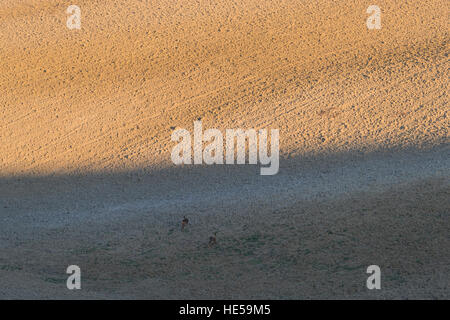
(309, 232)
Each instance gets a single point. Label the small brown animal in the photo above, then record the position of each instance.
(184, 223)
(212, 240)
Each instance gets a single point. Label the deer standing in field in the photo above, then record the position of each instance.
(184, 223)
(212, 240)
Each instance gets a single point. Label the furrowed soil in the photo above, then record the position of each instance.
(86, 178)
